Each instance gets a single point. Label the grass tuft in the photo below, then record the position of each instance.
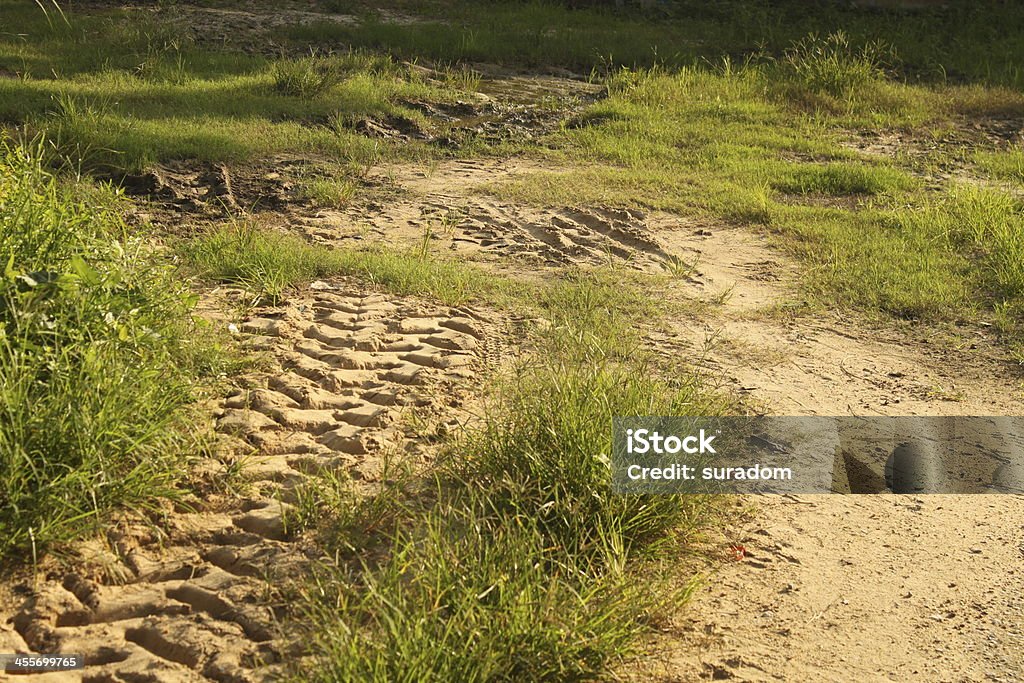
(331, 192)
(96, 359)
(523, 565)
(832, 65)
(268, 263)
(307, 77)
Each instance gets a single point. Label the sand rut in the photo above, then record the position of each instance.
(561, 236)
(195, 603)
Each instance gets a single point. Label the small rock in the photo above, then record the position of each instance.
(267, 521)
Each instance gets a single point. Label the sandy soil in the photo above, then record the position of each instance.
(861, 588)
(196, 594)
(847, 588)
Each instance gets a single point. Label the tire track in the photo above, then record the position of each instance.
(196, 598)
(562, 236)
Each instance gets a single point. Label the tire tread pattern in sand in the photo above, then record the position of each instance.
(562, 236)
(190, 601)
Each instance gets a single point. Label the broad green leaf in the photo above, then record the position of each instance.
(83, 270)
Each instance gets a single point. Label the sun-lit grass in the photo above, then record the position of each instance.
(840, 179)
(832, 65)
(269, 263)
(307, 77)
(737, 144)
(974, 41)
(333, 192)
(470, 593)
(124, 91)
(515, 561)
(1004, 165)
(98, 360)
(118, 120)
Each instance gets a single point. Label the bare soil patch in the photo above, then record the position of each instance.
(197, 592)
(846, 587)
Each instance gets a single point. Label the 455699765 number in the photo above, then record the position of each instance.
(35, 663)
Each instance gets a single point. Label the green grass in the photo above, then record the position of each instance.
(332, 192)
(470, 594)
(307, 77)
(119, 91)
(114, 120)
(124, 89)
(269, 263)
(739, 145)
(838, 179)
(987, 226)
(98, 360)
(512, 559)
(544, 449)
(830, 64)
(959, 42)
(1007, 165)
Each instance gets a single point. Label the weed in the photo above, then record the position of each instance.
(514, 561)
(987, 224)
(332, 192)
(472, 594)
(839, 179)
(307, 77)
(329, 491)
(1005, 165)
(85, 311)
(680, 267)
(268, 263)
(544, 453)
(832, 65)
(462, 78)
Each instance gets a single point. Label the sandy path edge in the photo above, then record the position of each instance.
(856, 587)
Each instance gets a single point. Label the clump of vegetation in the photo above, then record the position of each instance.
(307, 77)
(838, 179)
(461, 78)
(133, 90)
(545, 450)
(333, 192)
(834, 66)
(268, 262)
(985, 223)
(1005, 164)
(312, 76)
(96, 359)
(516, 561)
(470, 593)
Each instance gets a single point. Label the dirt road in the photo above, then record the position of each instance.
(816, 588)
(837, 588)
(829, 587)
(849, 588)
